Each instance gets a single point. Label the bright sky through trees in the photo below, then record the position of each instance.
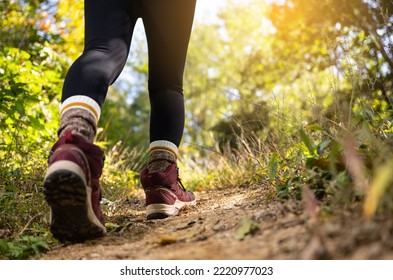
(206, 10)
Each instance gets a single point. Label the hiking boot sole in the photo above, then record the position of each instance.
(162, 211)
(66, 192)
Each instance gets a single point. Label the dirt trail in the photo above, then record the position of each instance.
(236, 223)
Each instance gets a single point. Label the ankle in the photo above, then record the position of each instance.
(162, 155)
(79, 114)
(79, 121)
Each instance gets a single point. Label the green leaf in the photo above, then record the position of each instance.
(272, 167)
(323, 145)
(314, 127)
(4, 247)
(307, 142)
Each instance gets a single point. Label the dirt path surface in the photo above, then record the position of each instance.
(236, 223)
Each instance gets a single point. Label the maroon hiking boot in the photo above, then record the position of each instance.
(165, 194)
(71, 188)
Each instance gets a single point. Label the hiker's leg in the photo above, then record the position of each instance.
(108, 30)
(168, 26)
(71, 183)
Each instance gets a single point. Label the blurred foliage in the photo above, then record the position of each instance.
(21, 23)
(31, 74)
(68, 21)
(282, 87)
(25, 247)
(289, 95)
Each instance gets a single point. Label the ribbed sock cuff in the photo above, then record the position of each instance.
(82, 102)
(80, 121)
(164, 145)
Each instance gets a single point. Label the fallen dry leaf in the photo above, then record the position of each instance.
(167, 239)
(382, 179)
(247, 227)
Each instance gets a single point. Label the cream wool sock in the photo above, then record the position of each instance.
(81, 114)
(162, 155)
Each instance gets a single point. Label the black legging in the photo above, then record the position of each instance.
(109, 25)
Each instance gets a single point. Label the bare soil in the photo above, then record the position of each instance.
(236, 223)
